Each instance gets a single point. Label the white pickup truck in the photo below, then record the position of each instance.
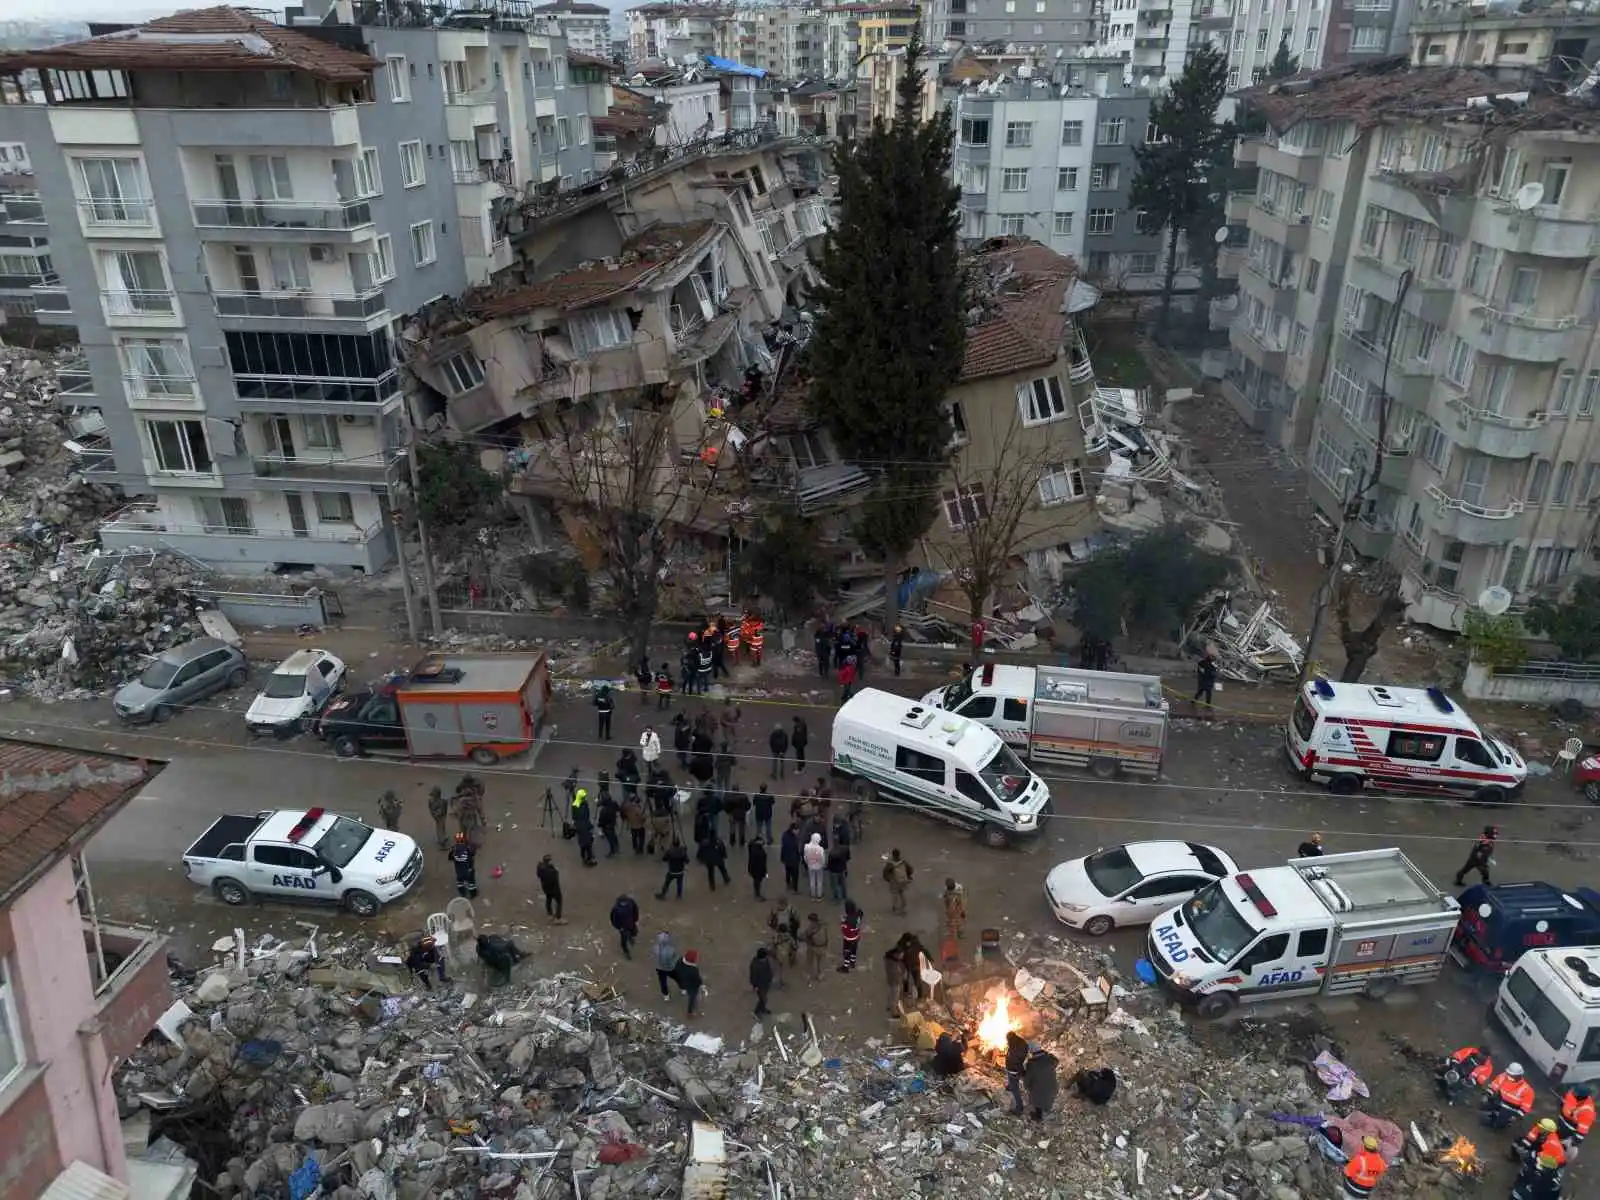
(304, 854)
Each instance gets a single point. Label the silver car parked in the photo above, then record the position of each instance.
(178, 676)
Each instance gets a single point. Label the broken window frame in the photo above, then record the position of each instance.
(965, 505)
(1062, 483)
(191, 447)
(1042, 400)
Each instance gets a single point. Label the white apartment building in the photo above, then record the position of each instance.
(241, 216)
(1320, 33)
(587, 26)
(1420, 258)
(677, 31)
(1150, 36)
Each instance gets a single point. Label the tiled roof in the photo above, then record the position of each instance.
(1369, 93)
(567, 6)
(207, 39)
(580, 59)
(52, 801)
(1025, 324)
(642, 256)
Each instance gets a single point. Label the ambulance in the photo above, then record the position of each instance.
(1353, 736)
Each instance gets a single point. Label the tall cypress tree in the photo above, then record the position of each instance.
(891, 327)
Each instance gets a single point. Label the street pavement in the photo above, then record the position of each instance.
(1224, 782)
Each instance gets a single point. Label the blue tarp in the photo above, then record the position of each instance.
(727, 64)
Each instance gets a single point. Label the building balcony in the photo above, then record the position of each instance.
(74, 374)
(310, 312)
(117, 216)
(208, 128)
(141, 526)
(52, 305)
(1371, 536)
(1230, 259)
(1299, 165)
(1251, 410)
(467, 112)
(132, 986)
(161, 391)
(1236, 209)
(21, 208)
(300, 393)
(77, 389)
(275, 221)
(1474, 524)
(1260, 347)
(141, 307)
(1541, 231)
(1519, 335)
(1493, 433)
(362, 471)
(1247, 152)
(1423, 198)
(1273, 220)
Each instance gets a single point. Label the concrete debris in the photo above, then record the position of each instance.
(555, 1087)
(1251, 646)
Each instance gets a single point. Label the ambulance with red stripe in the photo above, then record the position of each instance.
(1353, 736)
(1342, 924)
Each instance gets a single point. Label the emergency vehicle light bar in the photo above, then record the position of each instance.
(1256, 896)
(1322, 687)
(306, 823)
(1440, 700)
(987, 678)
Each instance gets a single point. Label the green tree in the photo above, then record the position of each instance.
(1283, 65)
(891, 327)
(1572, 624)
(1180, 175)
(1151, 583)
(786, 563)
(1499, 643)
(457, 494)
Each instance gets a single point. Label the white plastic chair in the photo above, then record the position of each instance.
(438, 928)
(1568, 755)
(463, 926)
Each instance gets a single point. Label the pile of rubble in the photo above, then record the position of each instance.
(1249, 643)
(289, 1066)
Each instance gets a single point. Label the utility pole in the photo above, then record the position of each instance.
(435, 618)
(1325, 591)
(413, 621)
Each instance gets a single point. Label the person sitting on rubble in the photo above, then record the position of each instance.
(1540, 1179)
(1542, 1140)
(1467, 1067)
(950, 1053)
(424, 960)
(1508, 1097)
(1096, 1085)
(498, 954)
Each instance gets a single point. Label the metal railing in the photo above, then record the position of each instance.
(1527, 320)
(159, 387)
(139, 303)
(317, 306)
(306, 389)
(142, 517)
(281, 214)
(22, 208)
(51, 297)
(372, 468)
(1487, 512)
(1489, 417)
(685, 323)
(136, 212)
(1543, 669)
(484, 95)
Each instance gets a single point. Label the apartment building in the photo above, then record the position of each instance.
(587, 27)
(1320, 33)
(1449, 247)
(1150, 36)
(678, 31)
(24, 247)
(241, 214)
(1550, 41)
(1054, 162)
(1034, 24)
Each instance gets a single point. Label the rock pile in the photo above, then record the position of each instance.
(330, 1065)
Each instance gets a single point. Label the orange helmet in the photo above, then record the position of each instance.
(461, 837)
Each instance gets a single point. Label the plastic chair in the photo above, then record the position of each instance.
(462, 924)
(1568, 755)
(438, 927)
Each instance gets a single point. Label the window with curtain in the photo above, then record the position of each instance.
(114, 191)
(136, 282)
(157, 367)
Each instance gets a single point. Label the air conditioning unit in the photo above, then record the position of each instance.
(354, 419)
(323, 254)
(1303, 219)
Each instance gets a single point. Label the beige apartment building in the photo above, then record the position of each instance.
(1417, 263)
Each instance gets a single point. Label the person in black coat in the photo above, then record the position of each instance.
(604, 704)
(799, 738)
(764, 803)
(737, 807)
(761, 980)
(789, 855)
(713, 852)
(702, 764)
(625, 920)
(778, 743)
(1039, 1078)
(823, 641)
(423, 960)
(1016, 1060)
(682, 738)
(628, 773)
(610, 812)
(756, 865)
(688, 977)
(550, 885)
(725, 764)
(465, 860)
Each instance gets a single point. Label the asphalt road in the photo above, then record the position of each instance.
(1223, 783)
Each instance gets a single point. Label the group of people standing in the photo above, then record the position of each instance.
(462, 849)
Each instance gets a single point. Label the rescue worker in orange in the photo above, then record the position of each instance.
(1365, 1168)
(1542, 1141)
(1577, 1116)
(1470, 1066)
(754, 637)
(1508, 1097)
(732, 638)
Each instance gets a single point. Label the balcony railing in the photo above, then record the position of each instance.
(315, 306)
(22, 208)
(139, 303)
(281, 214)
(160, 387)
(484, 95)
(51, 297)
(365, 469)
(117, 212)
(301, 389)
(1484, 512)
(685, 322)
(144, 517)
(1525, 320)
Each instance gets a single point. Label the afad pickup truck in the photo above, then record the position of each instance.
(304, 854)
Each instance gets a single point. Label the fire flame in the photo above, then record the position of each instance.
(996, 1024)
(1463, 1156)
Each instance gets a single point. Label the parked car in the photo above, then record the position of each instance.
(296, 691)
(180, 675)
(1501, 922)
(1131, 884)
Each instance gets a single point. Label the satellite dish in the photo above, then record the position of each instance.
(1495, 600)
(1221, 235)
(1529, 196)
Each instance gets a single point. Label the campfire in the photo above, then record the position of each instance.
(1462, 1158)
(996, 1023)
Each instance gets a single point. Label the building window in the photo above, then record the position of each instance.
(1061, 482)
(1427, 341)
(179, 447)
(368, 180)
(1477, 269)
(1063, 224)
(1368, 37)
(135, 283)
(1102, 177)
(1458, 367)
(1014, 179)
(113, 191)
(958, 424)
(600, 330)
(964, 506)
(583, 131)
(1564, 475)
(412, 171)
(334, 508)
(559, 66)
(563, 136)
(399, 77)
(1098, 265)
(463, 372)
(1072, 133)
(1041, 400)
(1297, 343)
(383, 258)
(12, 1056)
(1550, 563)
(1019, 134)
(1102, 222)
(1112, 131)
(423, 250)
(1561, 393)
(1011, 224)
(1371, 227)
(156, 368)
(1327, 460)
(1066, 179)
(1591, 479)
(1313, 275)
(1591, 393)
(1538, 481)
(974, 131)
(1142, 262)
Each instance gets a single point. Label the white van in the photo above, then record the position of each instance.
(959, 770)
(1550, 1005)
(1359, 735)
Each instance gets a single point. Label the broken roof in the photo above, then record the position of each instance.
(569, 6)
(1020, 292)
(207, 39)
(52, 801)
(579, 59)
(1369, 94)
(643, 256)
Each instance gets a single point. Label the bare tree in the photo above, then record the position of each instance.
(639, 490)
(1361, 643)
(1002, 504)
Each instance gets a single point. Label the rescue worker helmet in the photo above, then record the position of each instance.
(1548, 1125)
(1514, 1070)
(1369, 1142)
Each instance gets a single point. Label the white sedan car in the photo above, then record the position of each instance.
(1131, 884)
(297, 690)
